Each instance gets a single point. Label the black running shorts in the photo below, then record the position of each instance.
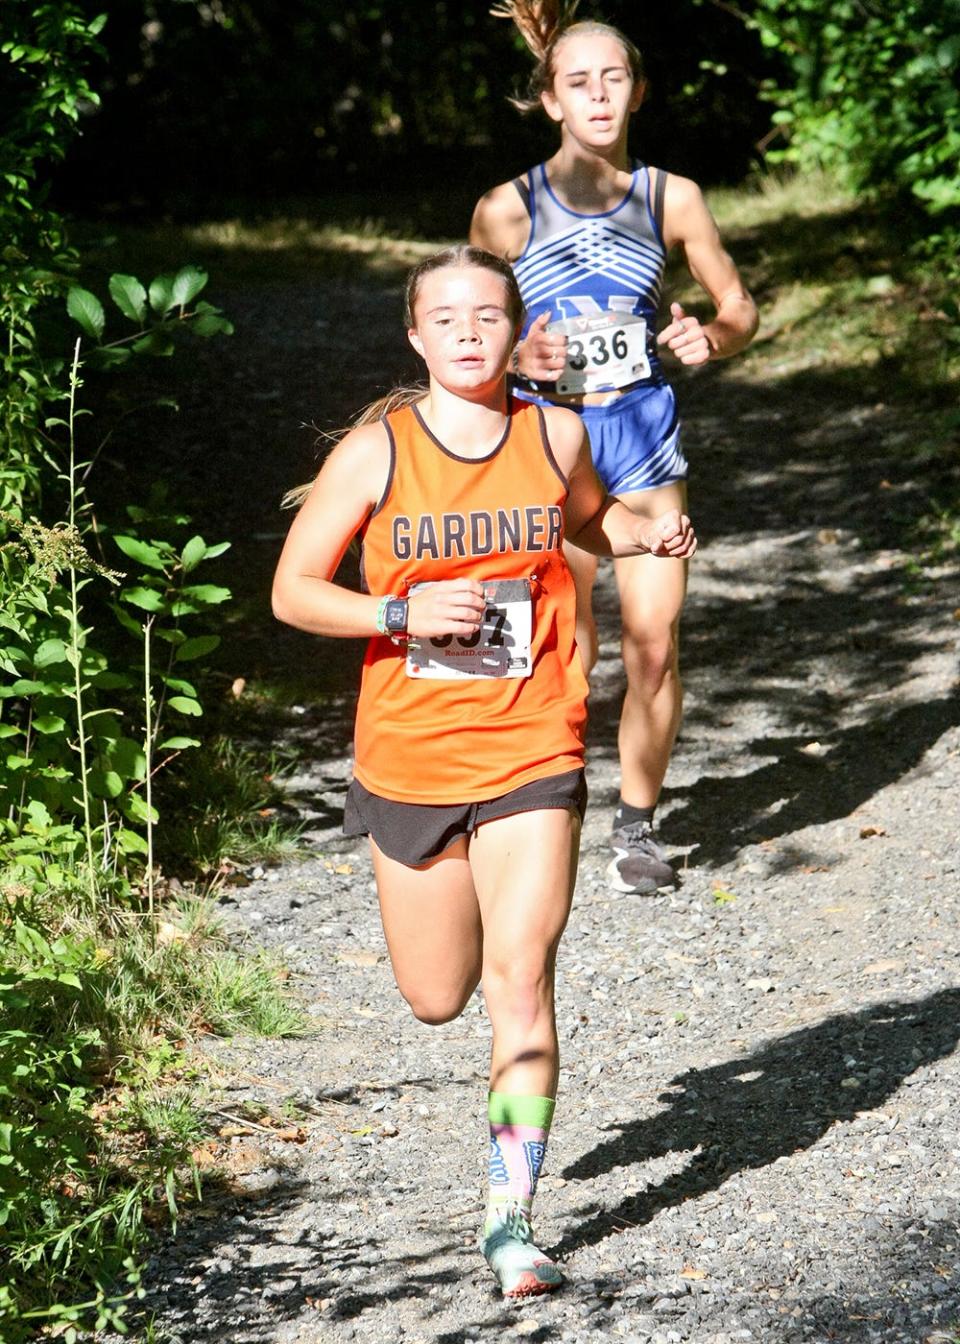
(414, 833)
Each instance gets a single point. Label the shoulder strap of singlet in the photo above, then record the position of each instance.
(523, 190)
(658, 192)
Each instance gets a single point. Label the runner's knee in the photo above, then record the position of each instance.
(649, 657)
(435, 1006)
(517, 994)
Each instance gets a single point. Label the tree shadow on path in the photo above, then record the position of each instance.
(810, 789)
(782, 1098)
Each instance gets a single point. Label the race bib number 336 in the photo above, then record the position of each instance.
(500, 647)
(603, 352)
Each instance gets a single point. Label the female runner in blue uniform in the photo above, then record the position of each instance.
(588, 233)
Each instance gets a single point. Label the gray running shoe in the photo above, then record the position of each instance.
(639, 866)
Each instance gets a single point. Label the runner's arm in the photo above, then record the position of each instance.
(688, 223)
(347, 489)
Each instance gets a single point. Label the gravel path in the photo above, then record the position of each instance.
(758, 1132)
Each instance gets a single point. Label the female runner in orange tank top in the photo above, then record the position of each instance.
(469, 735)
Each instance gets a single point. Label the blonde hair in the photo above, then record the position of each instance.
(462, 254)
(544, 25)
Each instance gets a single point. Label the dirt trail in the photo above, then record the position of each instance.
(757, 1132)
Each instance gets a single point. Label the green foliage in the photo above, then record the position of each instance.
(873, 92)
(79, 1173)
(222, 811)
(87, 985)
(78, 723)
(43, 88)
(58, 1215)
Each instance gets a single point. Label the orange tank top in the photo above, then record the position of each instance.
(442, 516)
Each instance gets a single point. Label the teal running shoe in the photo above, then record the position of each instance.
(521, 1268)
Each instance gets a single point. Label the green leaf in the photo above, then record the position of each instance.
(129, 296)
(211, 324)
(142, 552)
(185, 705)
(127, 757)
(113, 681)
(50, 651)
(157, 342)
(187, 284)
(103, 358)
(179, 684)
(193, 552)
(178, 743)
(207, 593)
(147, 599)
(86, 310)
(39, 816)
(197, 647)
(129, 842)
(128, 622)
(136, 807)
(106, 783)
(161, 294)
(9, 730)
(49, 723)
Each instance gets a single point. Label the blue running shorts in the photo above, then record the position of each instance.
(635, 440)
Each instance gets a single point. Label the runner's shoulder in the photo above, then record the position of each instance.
(361, 458)
(500, 219)
(684, 207)
(565, 435)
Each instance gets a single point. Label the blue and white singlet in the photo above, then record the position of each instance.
(582, 265)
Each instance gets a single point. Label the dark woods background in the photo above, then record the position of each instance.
(232, 103)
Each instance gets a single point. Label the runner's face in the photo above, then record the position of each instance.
(462, 327)
(593, 91)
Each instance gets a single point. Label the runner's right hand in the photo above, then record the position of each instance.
(450, 607)
(671, 534)
(542, 354)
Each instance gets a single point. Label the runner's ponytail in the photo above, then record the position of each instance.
(369, 415)
(543, 25)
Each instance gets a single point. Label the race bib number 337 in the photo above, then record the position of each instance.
(500, 647)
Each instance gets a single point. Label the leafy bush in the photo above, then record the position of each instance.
(874, 92)
(87, 984)
(81, 723)
(59, 1218)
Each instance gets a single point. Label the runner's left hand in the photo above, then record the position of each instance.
(670, 535)
(685, 337)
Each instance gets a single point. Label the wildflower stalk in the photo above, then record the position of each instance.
(148, 753)
(75, 634)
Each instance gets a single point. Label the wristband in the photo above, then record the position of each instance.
(382, 613)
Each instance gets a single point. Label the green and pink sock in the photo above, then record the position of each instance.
(519, 1126)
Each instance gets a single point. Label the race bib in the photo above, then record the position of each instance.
(500, 647)
(604, 352)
